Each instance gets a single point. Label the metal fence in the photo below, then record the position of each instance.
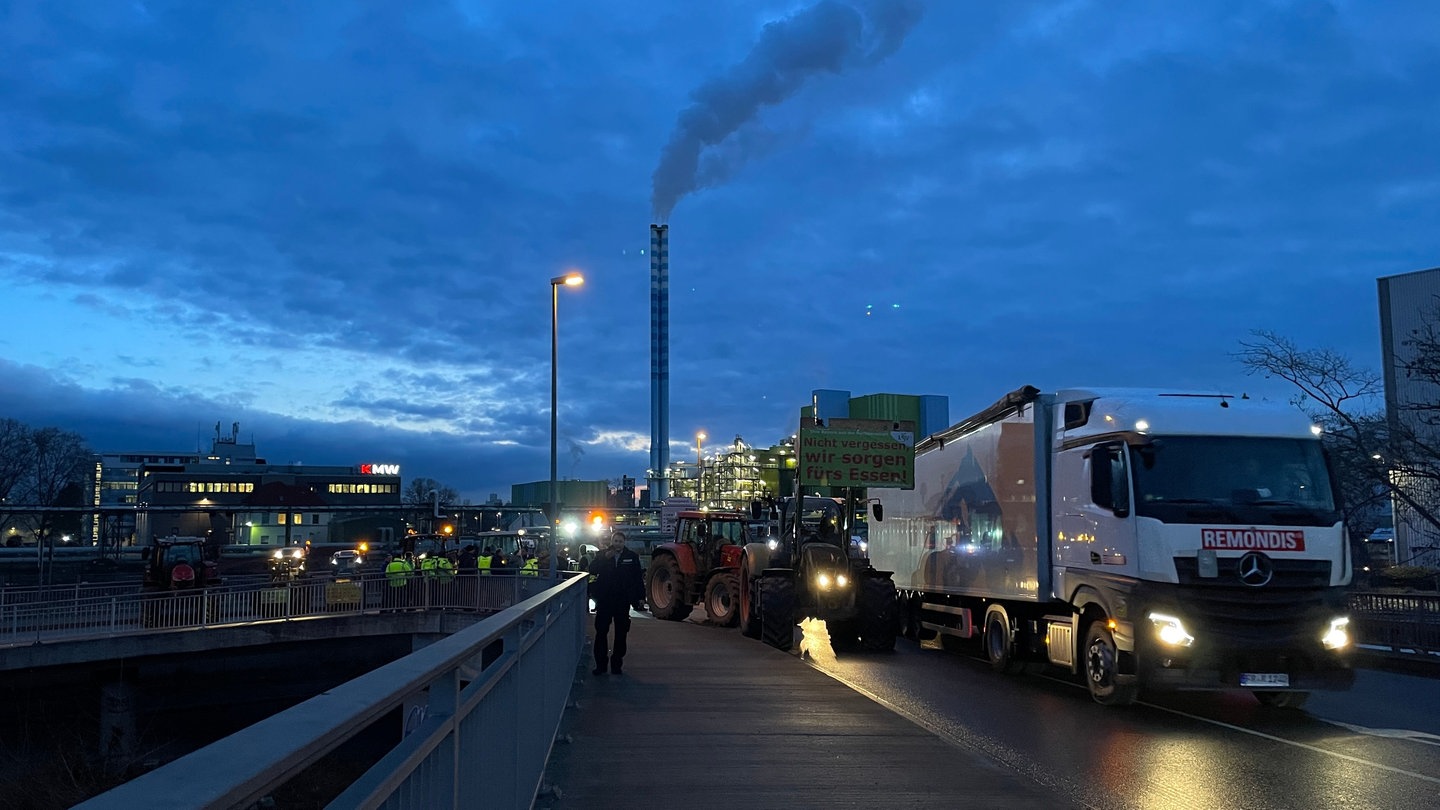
(33, 614)
(1400, 624)
(492, 693)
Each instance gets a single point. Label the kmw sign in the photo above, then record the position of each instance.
(379, 469)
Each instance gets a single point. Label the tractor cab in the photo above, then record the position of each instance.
(175, 563)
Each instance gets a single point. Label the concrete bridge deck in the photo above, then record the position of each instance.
(705, 718)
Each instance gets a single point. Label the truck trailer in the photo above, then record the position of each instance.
(1141, 539)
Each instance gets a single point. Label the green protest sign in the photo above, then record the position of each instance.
(857, 458)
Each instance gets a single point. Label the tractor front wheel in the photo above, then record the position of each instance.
(722, 600)
(879, 620)
(777, 612)
(749, 606)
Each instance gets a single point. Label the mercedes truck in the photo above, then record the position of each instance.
(1140, 539)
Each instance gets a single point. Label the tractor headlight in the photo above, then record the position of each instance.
(1337, 637)
(841, 581)
(772, 544)
(1171, 631)
(823, 581)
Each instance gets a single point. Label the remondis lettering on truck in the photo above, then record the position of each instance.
(1253, 539)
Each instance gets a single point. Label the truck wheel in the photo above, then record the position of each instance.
(749, 607)
(777, 612)
(1282, 700)
(879, 620)
(1000, 645)
(664, 590)
(722, 600)
(1102, 668)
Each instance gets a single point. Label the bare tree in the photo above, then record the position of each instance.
(1375, 458)
(421, 495)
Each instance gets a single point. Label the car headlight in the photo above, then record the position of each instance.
(279, 554)
(1170, 630)
(1337, 637)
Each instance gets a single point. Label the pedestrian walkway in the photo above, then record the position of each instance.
(705, 718)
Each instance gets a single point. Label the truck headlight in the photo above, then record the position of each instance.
(1337, 637)
(1171, 631)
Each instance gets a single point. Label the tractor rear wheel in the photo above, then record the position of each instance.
(879, 619)
(665, 590)
(722, 600)
(777, 612)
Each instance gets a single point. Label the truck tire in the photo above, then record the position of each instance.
(665, 590)
(777, 612)
(749, 612)
(1000, 644)
(1102, 668)
(1282, 700)
(722, 600)
(879, 619)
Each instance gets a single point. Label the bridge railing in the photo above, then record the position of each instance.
(487, 698)
(1398, 624)
(30, 615)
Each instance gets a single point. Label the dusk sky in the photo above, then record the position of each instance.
(335, 223)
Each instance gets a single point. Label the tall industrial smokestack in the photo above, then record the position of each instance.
(659, 362)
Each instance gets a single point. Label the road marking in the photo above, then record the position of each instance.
(1389, 733)
(1306, 746)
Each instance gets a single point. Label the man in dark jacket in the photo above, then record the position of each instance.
(616, 583)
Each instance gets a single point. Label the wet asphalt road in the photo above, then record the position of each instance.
(1377, 746)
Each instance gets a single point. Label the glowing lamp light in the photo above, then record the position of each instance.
(1142, 425)
(1171, 630)
(1337, 637)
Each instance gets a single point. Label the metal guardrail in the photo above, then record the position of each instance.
(492, 693)
(1401, 624)
(30, 615)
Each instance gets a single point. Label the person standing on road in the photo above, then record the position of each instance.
(616, 583)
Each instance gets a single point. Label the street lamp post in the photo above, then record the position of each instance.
(571, 279)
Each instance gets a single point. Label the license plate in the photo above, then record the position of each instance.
(1264, 679)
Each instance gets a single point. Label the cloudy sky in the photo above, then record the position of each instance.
(335, 223)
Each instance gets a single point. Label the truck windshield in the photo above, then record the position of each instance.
(1231, 479)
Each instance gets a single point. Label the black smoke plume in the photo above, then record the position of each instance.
(828, 37)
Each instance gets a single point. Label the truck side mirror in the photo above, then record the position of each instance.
(757, 510)
(878, 510)
(1109, 486)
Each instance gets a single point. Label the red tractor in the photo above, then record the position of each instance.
(178, 563)
(700, 565)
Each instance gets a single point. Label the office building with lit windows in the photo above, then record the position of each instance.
(240, 499)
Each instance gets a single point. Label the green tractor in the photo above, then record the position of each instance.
(813, 569)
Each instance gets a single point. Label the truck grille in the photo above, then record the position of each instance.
(1296, 597)
(1288, 573)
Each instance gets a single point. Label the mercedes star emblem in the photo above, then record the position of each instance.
(1256, 570)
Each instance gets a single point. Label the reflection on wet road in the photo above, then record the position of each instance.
(1377, 746)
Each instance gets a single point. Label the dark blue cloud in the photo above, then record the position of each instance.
(368, 199)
